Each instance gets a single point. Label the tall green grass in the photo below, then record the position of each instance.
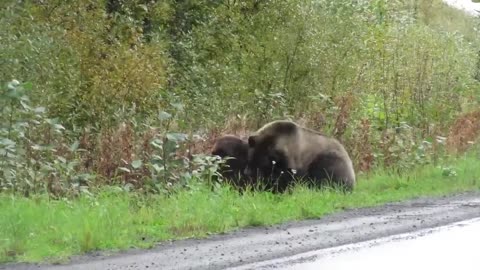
(37, 228)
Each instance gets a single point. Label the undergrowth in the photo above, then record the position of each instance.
(133, 93)
(38, 228)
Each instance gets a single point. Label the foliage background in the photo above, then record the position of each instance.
(119, 91)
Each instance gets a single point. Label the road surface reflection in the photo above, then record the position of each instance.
(466, 5)
(456, 246)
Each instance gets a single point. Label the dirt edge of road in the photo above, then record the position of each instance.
(249, 245)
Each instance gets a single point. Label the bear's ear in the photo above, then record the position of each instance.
(252, 141)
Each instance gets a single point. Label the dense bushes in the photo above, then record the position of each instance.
(87, 67)
(386, 77)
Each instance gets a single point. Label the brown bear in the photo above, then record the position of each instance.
(236, 151)
(285, 146)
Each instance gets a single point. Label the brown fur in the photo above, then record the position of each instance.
(236, 150)
(292, 147)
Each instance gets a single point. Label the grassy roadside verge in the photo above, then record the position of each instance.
(35, 229)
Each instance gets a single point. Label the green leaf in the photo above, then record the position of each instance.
(157, 144)
(127, 187)
(27, 86)
(25, 105)
(176, 137)
(143, 7)
(74, 146)
(157, 168)
(39, 110)
(136, 164)
(13, 93)
(72, 165)
(164, 116)
(58, 127)
(46, 168)
(7, 142)
(178, 106)
(37, 147)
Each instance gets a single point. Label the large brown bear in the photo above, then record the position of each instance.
(285, 146)
(236, 151)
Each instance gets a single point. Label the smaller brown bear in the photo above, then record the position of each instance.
(236, 150)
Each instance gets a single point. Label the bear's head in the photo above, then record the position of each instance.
(266, 154)
(236, 150)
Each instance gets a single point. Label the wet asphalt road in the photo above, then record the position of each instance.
(244, 247)
(466, 5)
(453, 246)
